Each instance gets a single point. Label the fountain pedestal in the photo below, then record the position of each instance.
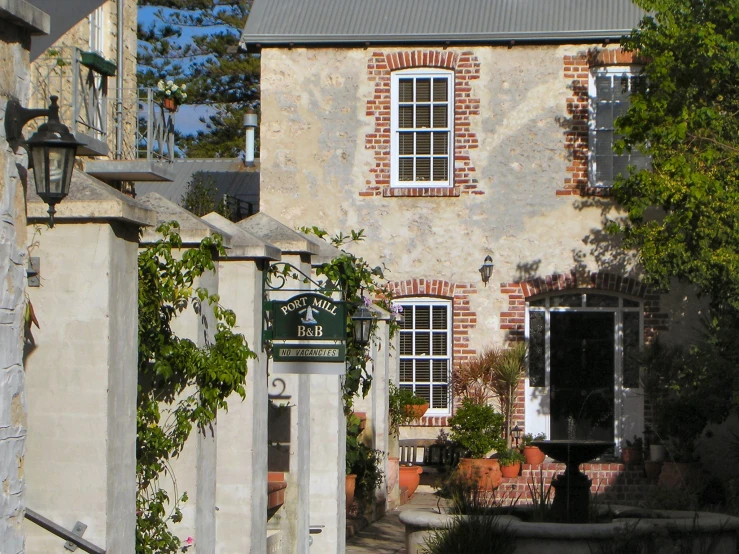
(571, 502)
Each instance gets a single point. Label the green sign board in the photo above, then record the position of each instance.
(309, 352)
(309, 316)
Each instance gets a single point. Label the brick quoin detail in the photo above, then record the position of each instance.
(463, 319)
(513, 321)
(466, 68)
(577, 71)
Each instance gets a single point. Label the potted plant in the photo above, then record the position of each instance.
(508, 371)
(477, 428)
(533, 454)
(473, 378)
(510, 461)
(633, 452)
(404, 407)
(171, 94)
(363, 467)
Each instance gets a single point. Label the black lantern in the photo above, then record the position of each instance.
(516, 434)
(52, 150)
(362, 321)
(486, 271)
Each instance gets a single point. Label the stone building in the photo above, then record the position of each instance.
(453, 131)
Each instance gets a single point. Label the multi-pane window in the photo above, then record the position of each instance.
(426, 350)
(610, 97)
(96, 30)
(422, 120)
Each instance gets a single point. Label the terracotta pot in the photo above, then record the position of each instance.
(534, 456)
(652, 469)
(679, 475)
(416, 411)
(351, 483)
(511, 471)
(169, 104)
(409, 478)
(631, 455)
(485, 470)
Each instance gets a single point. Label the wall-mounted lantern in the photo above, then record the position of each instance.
(52, 150)
(516, 434)
(362, 321)
(486, 270)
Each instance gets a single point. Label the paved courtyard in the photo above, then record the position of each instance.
(387, 535)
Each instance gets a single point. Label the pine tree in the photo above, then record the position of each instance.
(216, 74)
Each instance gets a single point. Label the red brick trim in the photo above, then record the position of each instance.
(577, 72)
(466, 67)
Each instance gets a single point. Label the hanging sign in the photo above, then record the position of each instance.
(309, 317)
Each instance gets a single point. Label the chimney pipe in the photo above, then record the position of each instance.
(250, 123)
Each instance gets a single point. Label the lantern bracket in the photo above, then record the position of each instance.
(16, 116)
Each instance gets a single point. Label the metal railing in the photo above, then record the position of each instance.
(62, 533)
(147, 128)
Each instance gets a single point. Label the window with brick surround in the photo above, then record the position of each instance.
(422, 119)
(610, 91)
(426, 351)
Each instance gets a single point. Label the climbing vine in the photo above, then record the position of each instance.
(181, 385)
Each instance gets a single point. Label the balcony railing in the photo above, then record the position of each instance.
(83, 88)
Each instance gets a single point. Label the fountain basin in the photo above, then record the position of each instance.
(665, 532)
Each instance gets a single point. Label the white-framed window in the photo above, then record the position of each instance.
(426, 351)
(422, 124)
(96, 31)
(610, 90)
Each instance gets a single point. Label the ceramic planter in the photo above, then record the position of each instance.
(534, 456)
(169, 104)
(350, 485)
(652, 469)
(657, 452)
(631, 455)
(511, 471)
(679, 475)
(485, 470)
(415, 411)
(410, 478)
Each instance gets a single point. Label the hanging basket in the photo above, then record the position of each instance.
(169, 104)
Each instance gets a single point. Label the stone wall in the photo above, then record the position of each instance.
(17, 22)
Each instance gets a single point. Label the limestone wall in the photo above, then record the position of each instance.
(15, 42)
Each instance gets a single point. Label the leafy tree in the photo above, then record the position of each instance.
(683, 213)
(181, 385)
(201, 197)
(194, 41)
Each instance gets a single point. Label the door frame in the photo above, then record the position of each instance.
(627, 400)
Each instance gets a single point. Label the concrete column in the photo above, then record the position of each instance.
(82, 367)
(241, 489)
(18, 20)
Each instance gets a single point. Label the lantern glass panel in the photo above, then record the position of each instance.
(40, 168)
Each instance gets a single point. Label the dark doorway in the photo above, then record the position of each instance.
(582, 375)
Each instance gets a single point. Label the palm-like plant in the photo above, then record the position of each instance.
(506, 377)
(473, 379)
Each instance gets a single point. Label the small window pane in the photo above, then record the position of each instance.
(407, 322)
(630, 303)
(405, 144)
(538, 302)
(440, 317)
(423, 90)
(423, 169)
(441, 169)
(423, 143)
(423, 317)
(441, 87)
(441, 143)
(405, 169)
(405, 117)
(537, 361)
(601, 300)
(604, 87)
(631, 349)
(406, 344)
(567, 301)
(441, 371)
(423, 370)
(424, 391)
(441, 397)
(406, 370)
(423, 117)
(439, 343)
(405, 90)
(440, 116)
(423, 344)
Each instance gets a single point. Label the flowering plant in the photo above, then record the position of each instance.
(169, 89)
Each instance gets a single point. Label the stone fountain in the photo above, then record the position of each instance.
(572, 488)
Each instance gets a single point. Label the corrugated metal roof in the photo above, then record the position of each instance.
(229, 176)
(284, 22)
